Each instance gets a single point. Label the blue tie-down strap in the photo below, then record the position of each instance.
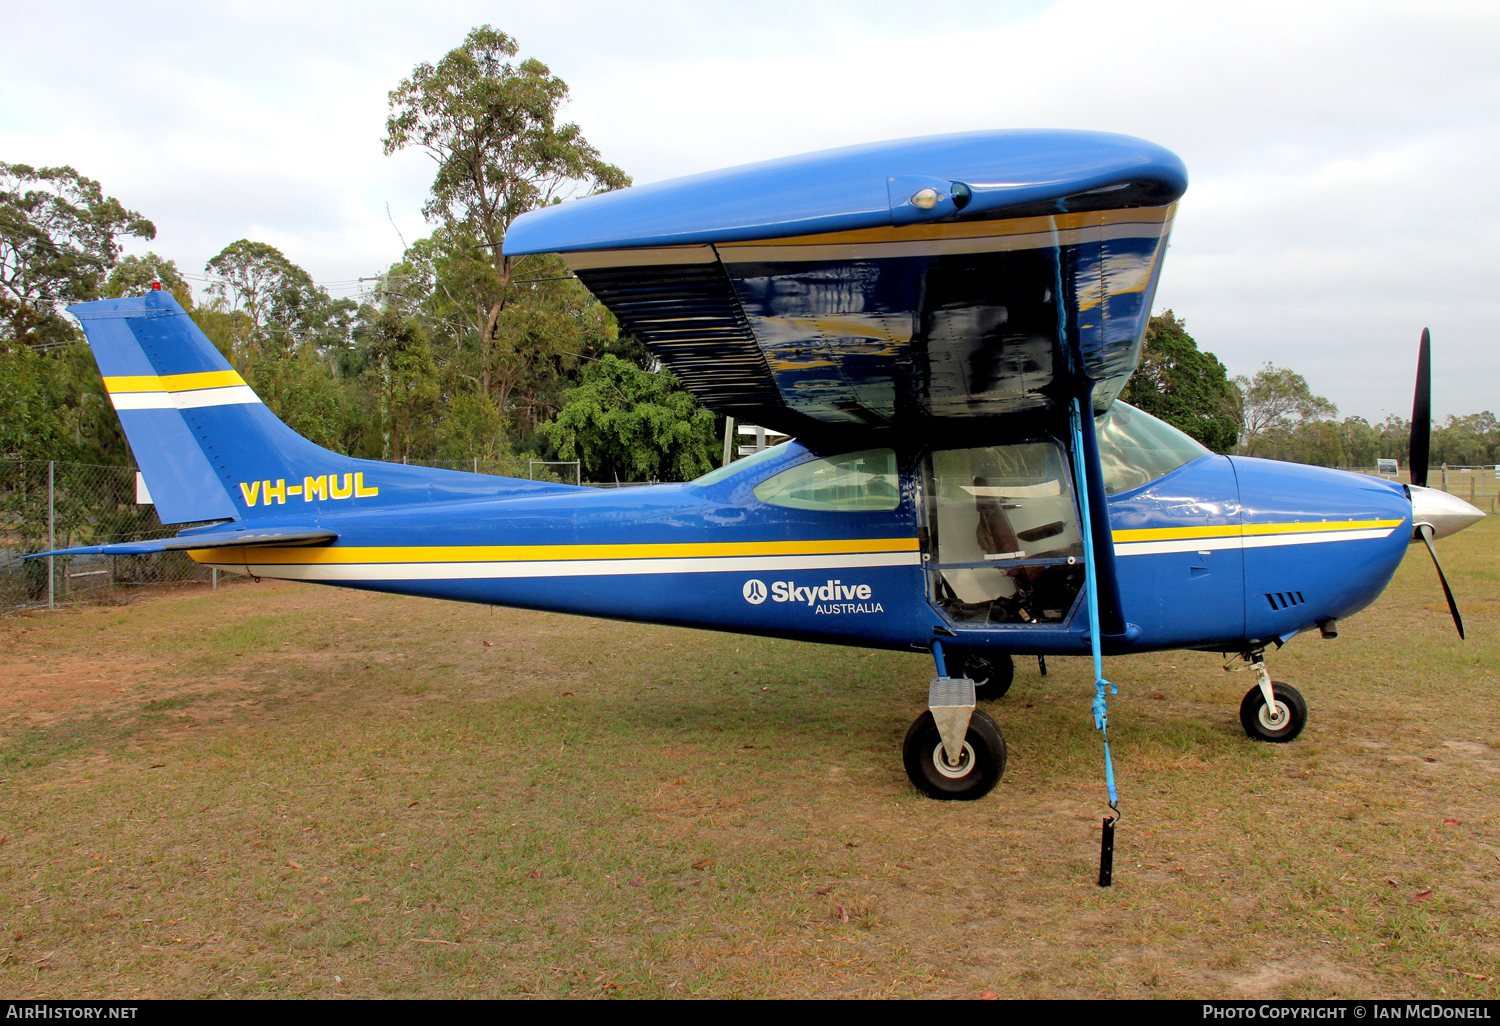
(1109, 779)
(1101, 721)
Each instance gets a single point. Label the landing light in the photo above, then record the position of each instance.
(925, 199)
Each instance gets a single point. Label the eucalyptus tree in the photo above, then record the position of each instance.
(59, 237)
(491, 126)
(135, 276)
(1277, 402)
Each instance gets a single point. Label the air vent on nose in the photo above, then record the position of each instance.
(1285, 599)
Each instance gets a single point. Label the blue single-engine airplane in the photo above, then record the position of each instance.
(944, 325)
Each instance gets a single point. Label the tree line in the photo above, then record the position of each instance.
(458, 352)
(1276, 415)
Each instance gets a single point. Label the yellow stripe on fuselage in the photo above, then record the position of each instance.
(173, 382)
(527, 553)
(1250, 530)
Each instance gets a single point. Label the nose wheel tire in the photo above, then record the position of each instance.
(1278, 725)
(978, 769)
(991, 672)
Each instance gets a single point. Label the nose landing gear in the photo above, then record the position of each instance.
(1271, 711)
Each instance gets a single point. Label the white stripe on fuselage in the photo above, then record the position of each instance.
(567, 567)
(1261, 541)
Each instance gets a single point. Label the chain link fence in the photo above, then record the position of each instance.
(55, 505)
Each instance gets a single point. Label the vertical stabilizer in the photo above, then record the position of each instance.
(210, 450)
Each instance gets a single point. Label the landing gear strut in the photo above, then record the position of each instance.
(1271, 711)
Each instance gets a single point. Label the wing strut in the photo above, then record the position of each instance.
(1086, 469)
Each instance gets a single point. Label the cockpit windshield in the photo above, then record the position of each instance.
(713, 477)
(1135, 447)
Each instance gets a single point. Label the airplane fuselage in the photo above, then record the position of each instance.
(1222, 553)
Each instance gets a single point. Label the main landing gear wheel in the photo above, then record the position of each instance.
(978, 769)
(1278, 725)
(991, 672)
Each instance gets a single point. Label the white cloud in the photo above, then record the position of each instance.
(1340, 153)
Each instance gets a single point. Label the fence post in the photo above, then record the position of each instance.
(728, 441)
(51, 532)
(216, 578)
(1445, 477)
(476, 464)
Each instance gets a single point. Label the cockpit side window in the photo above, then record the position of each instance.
(853, 482)
(1135, 447)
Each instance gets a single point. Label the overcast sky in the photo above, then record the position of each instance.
(1343, 158)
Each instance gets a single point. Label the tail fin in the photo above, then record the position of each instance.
(208, 447)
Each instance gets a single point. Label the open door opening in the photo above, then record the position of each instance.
(1002, 533)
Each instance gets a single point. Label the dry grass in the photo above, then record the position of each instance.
(282, 789)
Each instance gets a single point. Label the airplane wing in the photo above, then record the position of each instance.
(216, 540)
(920, 281)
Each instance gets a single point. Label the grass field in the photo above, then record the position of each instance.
(277, 789)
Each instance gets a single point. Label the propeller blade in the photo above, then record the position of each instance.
(1425, 532)
(1421, 418)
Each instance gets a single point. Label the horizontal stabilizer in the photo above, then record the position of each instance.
(217, 540)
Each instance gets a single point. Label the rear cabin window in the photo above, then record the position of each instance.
(853, 482)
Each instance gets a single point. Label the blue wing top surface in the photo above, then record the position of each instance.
(849, 189)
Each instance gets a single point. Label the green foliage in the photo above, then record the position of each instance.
(59, 236)
(1468, 441)
(1277, 404)
(300, 389)
(627, 423)
(53, 406)
(1186, 388)
(282, 305)
(401, 376)
(134, 276)
(512, 330)
(492, 128)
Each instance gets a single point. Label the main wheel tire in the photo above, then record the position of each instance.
(991, 672)
(1257, 719)
(978, 771)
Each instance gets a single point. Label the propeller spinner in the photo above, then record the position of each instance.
(1434, 513)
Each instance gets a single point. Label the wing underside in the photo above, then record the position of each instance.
(891, 326)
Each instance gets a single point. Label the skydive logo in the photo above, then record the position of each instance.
(829, 598)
